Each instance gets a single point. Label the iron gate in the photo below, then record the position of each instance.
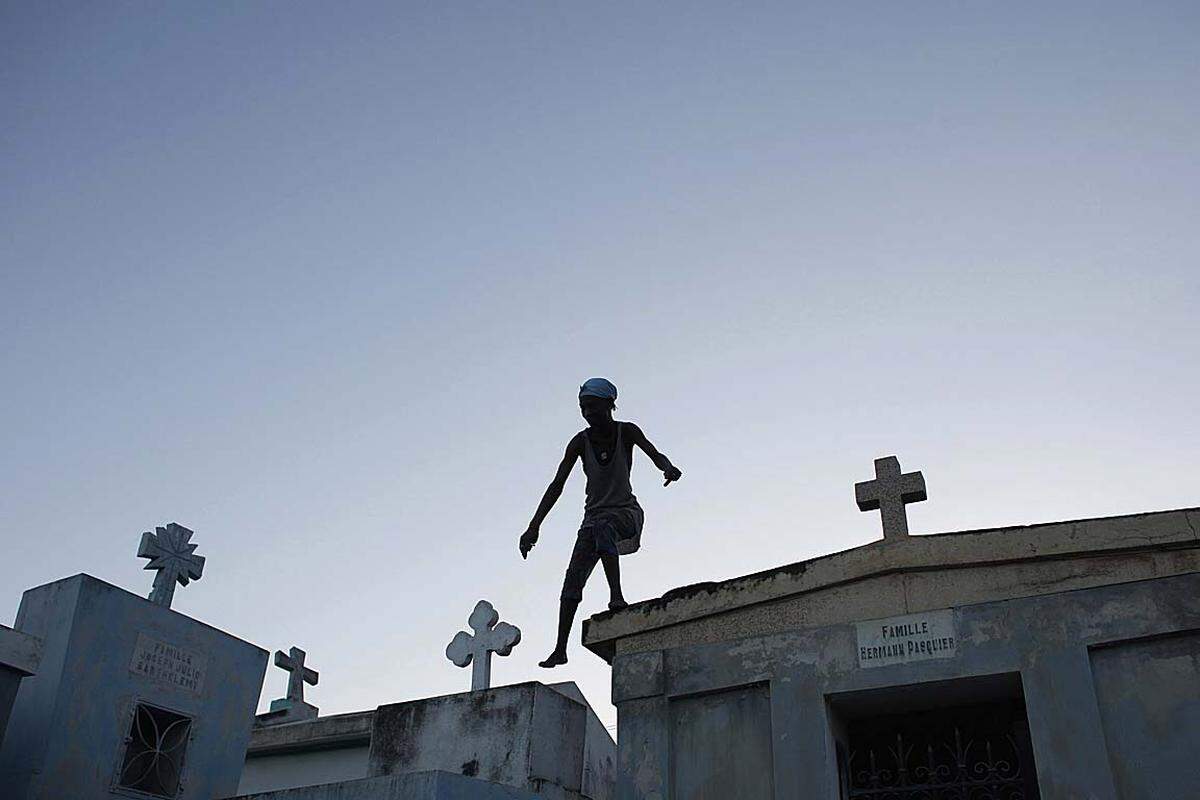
(978, 752)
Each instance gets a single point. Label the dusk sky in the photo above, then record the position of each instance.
(321, 281)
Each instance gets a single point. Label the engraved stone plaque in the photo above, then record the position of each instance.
(902, 640)
(169, 664)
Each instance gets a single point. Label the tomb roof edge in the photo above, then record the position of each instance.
(1173, 529)
(84, 578)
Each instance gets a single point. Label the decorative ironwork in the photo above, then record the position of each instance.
(154, 751)
(970, 753)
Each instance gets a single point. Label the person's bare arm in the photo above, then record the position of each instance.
(669, 470)
(553, 492)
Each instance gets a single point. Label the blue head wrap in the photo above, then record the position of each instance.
(598, 387)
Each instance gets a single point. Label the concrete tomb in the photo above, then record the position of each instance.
(174, 558)
(292, 708)
(131, 699)
(476, 651)
(889, 493)
(1047, 662)
(527, 740)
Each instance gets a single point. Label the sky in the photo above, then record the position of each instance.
(320, 282)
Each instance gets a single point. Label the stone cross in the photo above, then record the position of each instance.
(477, 650)
(174, 557)
(889, 492)
(298, 674)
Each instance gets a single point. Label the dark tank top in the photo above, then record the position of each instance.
(607, 484)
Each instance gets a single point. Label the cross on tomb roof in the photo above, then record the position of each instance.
(465, 649)
(889, 493)
(298, 674)
(174, 557)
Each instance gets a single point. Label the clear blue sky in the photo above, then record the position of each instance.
(320, 281)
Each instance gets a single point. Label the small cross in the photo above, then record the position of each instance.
(477, 650)
(889, 492)
(298, 674)
(174, 557)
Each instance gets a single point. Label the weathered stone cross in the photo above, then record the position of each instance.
(298, 674)
(477, 650)
(174, 557)
(889, 492)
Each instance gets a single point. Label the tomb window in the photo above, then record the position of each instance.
(980, 752)
(961, 739)
(154, 751)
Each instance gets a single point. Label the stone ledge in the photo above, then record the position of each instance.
(19, 651)
(431, 785)
(1134, 533)
(323, 733)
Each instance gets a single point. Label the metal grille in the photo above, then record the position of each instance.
(968, 753)
(154, 751)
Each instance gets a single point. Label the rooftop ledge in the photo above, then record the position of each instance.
(331, 732)
(1159, 530)
(19, 651)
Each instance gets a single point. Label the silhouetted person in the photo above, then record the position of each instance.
(612, 518)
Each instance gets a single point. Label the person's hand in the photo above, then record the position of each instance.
(672, 474)
(528, 540)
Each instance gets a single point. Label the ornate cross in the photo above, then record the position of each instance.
(489, 638)
(889, 492)
(174, 557)
(298, 674)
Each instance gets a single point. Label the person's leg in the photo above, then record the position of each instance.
(566, 618)
(583, 561)
(613, 525)
(612, 572)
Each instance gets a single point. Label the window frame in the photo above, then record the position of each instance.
(128, 738)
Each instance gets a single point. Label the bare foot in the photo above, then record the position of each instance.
(553, 660)
(617, 605)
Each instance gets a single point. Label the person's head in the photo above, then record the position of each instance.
(597, 399)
